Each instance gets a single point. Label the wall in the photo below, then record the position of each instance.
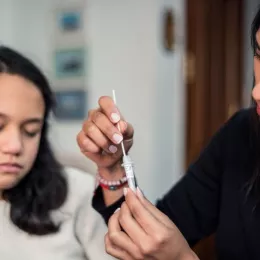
(124, 42)
(7, 22)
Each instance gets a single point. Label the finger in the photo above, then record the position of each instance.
(109, 108)
(142, 215)
(123, 242)
(119, 238)
(106, 127)
(112, 112)
(113, 223)
(126, 129)
(91, 112)
(97, 137)
(122, 126)
(153, 210)
(130, 226)
(115, 251)
(85, 144)
(103, 159)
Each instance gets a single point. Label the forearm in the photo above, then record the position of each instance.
(112, 174)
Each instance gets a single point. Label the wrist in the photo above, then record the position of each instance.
(111, 185)
(112, 173)
(189, 255)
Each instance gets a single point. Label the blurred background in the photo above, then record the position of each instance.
(180, 69)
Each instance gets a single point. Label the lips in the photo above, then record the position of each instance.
(10, 167)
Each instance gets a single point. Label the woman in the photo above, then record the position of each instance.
(219, 194)
(45, 210)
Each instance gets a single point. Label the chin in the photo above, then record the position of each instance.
(8, 181)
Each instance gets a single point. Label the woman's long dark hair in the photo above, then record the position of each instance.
(254, 182)
(44, 188)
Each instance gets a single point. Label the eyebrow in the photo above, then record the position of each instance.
(33, 120)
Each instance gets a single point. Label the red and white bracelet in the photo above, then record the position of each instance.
(110, 185)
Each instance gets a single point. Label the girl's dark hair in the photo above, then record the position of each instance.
(44, 188)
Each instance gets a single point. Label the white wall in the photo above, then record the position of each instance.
(7, 22)
(126, 55)
(124, 40)
(250, 8)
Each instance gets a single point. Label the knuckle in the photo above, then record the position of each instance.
(138, 255)
(146, 248)
(113, 237)
(97, 116)
(108, 249)
(91, 112)
(155, 243)
(90, 128)
(159, 239)
(109, 128)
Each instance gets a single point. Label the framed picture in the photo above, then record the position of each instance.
(68, 25)
(70, 63)
(70, 21)
(70, 105)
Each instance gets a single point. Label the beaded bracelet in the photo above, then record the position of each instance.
(110, 185)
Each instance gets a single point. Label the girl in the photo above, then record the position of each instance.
(45, 210)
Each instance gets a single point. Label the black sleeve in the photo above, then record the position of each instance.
(193, 203)
(99, 204)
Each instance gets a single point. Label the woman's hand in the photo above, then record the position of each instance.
(140, 231)
(99, 138)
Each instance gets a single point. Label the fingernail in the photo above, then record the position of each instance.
(139, 193)
(117, 210)
(115, 117)
(112, 149)
(117, 138)
(125, 125)
(125, 190)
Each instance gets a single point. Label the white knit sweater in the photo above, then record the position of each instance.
(81, 235)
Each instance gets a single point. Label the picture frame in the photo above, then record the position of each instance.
(70, 63)
(70, 104)
(70, 21)
(68, 25)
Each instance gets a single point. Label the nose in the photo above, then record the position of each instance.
(256, 93)
(12, 142)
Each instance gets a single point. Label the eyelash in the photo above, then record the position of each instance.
(31, 134)
(27, 133)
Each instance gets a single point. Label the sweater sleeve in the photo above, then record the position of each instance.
(90, 230)
(193, 203)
